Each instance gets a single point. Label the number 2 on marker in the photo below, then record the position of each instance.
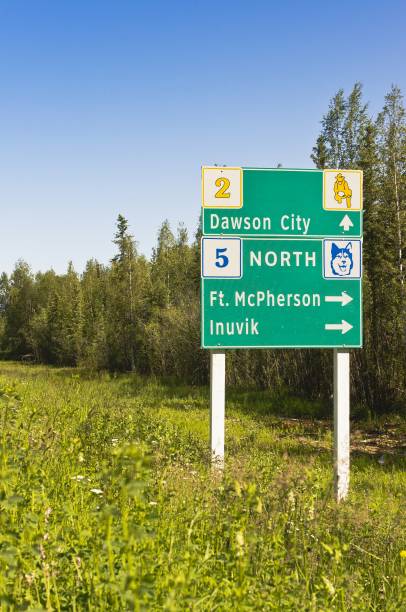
(224, 184)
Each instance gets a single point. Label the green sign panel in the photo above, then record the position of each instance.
(281, 258)
(281, 293)
(281, 203)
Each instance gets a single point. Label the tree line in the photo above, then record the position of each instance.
(143, 314)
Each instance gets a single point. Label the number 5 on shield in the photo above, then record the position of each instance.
(222, 257)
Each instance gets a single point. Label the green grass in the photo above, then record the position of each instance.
(108, 502)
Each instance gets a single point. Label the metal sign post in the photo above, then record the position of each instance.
(341, 423)
(217, 406)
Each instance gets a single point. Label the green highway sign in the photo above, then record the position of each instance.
(281, 267)
(281, 203)
(270, 292)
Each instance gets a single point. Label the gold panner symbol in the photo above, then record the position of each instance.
(342, 190)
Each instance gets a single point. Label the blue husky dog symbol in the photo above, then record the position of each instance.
(341, 260)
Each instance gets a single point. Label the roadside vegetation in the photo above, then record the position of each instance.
(108, 502)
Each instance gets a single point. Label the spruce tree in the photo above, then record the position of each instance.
(121, 330)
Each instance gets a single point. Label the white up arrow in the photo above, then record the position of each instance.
(346, 223)
(343, 327)
(344, 298)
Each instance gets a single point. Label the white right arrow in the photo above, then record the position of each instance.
(343, 327)
(346, 223)
(344, 298)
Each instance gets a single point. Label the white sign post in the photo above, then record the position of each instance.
(341, 423)
(217, 406)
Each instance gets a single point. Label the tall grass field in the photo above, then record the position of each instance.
(108, 501)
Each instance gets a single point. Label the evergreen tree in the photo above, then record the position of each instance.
(333, 131)
(18, 309)
(319, 155)
(354, 127)
(162, 267)
(4, 297)
(73, 317)
(94, 291)
(126, 301)
(46, 284)
(343, 130)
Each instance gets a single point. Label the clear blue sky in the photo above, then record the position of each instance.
(113, 106)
